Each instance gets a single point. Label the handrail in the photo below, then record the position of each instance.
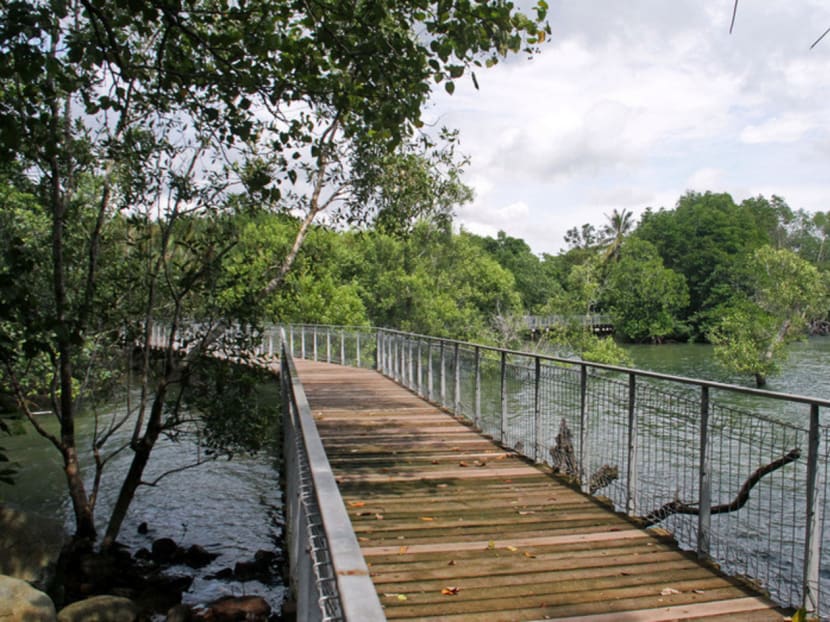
(326, 561)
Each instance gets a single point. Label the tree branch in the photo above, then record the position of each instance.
(679, 507)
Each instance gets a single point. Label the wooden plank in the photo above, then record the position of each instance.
(436, 506)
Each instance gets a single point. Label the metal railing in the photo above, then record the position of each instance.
(737, 474)
(328, 573)
(329, 578)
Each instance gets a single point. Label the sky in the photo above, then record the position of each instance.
(630, 105)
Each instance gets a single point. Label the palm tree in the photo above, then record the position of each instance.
(620, 223)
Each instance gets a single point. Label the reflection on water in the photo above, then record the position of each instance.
(232, 508)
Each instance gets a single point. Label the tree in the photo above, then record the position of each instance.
(534, 284)
(704, 238)
(644, 297)
(619, 225)
(133, 125)
(783, 293)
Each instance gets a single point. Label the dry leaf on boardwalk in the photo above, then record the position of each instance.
(357, 504)
(668, 591)
(450, 591)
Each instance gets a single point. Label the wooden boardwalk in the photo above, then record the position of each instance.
(455, 528)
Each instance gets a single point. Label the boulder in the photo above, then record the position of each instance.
(100, 609)
(30, 546)
(233, 608)
(20, 601)
(164, 550)
(197, 556)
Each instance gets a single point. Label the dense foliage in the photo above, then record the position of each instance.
(137, 139)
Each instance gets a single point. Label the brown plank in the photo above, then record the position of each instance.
(456, 528)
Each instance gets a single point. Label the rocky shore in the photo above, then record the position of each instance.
(40, 568)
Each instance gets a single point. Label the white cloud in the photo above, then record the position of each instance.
(630, 107)
(785, 129)
(705, 179)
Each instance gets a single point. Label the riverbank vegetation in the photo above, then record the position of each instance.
(141, 146)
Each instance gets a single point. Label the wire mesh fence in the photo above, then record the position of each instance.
(736, 474)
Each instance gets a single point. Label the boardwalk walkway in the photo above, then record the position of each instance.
(455, 528)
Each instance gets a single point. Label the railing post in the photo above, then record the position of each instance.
(477, 407)
(812, 535)
(443, 379)
(704, 518)
(343, 348)
(328, 344)
(314, 339)
(631, 484)
(503, 431)
(402, 360)
(537, 409)
(302, 341)
(430, 389)
(359, 361)
(584, 443)
(409, 363)
(420, 371)
(457, 374)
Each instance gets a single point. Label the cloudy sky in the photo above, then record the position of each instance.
(631, 104)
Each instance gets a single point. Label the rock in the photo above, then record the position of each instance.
(164, 550)
(143, 554)
(225, 574)
(233, 608)
(161, 592)
(30, 546)
(20, 601)
(180, 613)
(197, 557)
(143, 528)
(100, 609)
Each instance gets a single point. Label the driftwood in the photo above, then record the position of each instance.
(679, 507)
(563, 460)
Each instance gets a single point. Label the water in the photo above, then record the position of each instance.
(231, 508)
(805, 372)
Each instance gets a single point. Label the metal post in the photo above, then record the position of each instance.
(704, 518)
(477, 407)
(443, 375)
(584, 453)
(457, 373)
(812, 535)
(430, 390)
(302, 341)
(409, 364)
(291, 339)
(343, 348)
(328, 344)
(631, 485)
(503, 433)
(314, 340)
(537, 409)
(358, 361)
(419, 387)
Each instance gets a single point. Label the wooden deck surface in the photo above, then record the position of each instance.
(455, 528)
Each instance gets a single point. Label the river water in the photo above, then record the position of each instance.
(231, 508)
(805, 372)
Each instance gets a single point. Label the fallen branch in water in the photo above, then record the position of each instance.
(679, 507)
